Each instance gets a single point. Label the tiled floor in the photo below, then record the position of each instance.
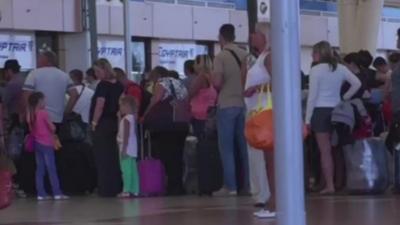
(382, 210)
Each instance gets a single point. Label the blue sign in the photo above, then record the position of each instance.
(238, 4)
(110, 51)
(16, 46)
(331, 6)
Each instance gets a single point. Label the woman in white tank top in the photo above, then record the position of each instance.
(262, 179)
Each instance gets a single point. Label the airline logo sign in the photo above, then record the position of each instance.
(173, 55)
(113, 50)
(21, 47)
(263, 10)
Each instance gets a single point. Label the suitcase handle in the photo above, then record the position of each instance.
(141, 140)
(145, 135)
(148, 137)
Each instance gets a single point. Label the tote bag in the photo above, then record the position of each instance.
(259, 130)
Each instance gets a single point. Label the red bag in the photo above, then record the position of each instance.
(134, 90)
(365, 130)
(387, 111)
(6, 193)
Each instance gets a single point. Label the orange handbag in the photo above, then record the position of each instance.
(259, 130)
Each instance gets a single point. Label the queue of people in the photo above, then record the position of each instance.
(119, 116)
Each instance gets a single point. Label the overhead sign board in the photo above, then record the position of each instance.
(20, 47)
(263, 10)
(173, 55)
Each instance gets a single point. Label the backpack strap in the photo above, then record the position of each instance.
(233, 53)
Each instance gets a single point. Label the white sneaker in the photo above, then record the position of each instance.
(265, 214)
(225, 193)
(61, 197)
(43, 198)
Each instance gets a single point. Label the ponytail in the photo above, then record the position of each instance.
(33, 102)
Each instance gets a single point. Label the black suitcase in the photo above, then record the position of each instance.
(190, 180)
(25, 176)
(209, 166)
(393, 145)
(76, 170)
(397, 170)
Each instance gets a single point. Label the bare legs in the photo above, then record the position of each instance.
(325, 147)
(269, 159)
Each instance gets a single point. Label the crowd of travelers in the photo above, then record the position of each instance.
(99, 132)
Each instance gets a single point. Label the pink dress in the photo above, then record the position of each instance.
(40, 130)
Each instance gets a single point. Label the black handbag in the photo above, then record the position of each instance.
(159, 116)
(73, 129)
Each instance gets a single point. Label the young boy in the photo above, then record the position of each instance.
(127, 141)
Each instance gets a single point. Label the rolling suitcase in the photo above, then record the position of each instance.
(367, 167)
(210, 175)
(151, 171)
(393, 145)
(5, 188)
(7, 170)
(190, 178)
(396, 181)
(26, 173)
(76, 169)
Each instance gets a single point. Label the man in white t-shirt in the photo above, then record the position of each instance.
(54, 84)
(85, 94)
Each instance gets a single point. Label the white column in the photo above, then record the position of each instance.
(359, 24)
(347, 25)
(91, 29)
(369, 15)
(128, 39)
(289, 169)
(76, 51)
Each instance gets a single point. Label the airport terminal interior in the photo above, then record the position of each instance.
(199, 112)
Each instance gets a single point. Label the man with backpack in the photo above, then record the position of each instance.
(231, 111)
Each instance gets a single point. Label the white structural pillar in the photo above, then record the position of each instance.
(78, 50)
(289, 168)
(128, 39)
(369, 15)
(92, 28)
(347, 25)
(359, 22)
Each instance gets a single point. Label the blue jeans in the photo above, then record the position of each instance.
(45, 160)
(230, 122)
